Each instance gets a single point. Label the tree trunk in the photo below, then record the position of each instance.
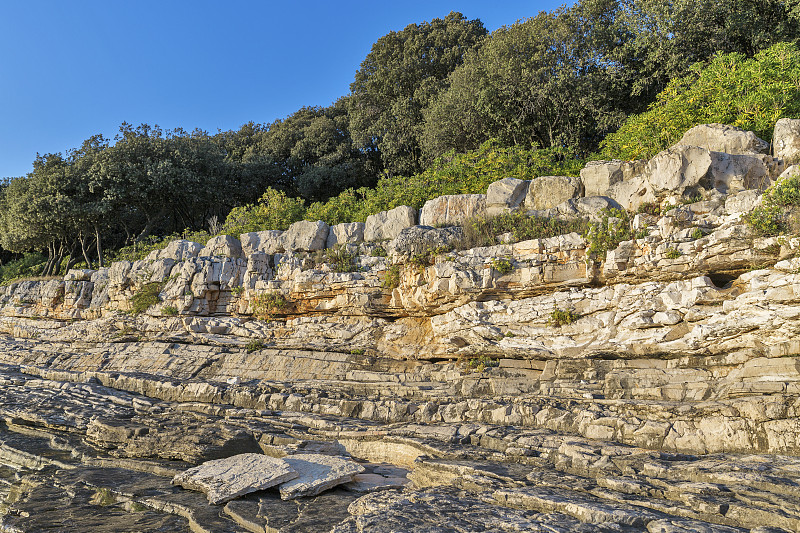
(99, 247)
(83, 239)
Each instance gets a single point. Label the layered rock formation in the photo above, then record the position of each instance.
(525, 386)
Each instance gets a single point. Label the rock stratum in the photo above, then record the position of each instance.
(525, 386)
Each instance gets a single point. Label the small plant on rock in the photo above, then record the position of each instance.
(391, 279)
(672, 253)
(649, 208)
(267, 304)
(503, 266)
(340, 259)
(254, 346)
(146, 297)
(169, 310)
(560, 318)
(480, 364)
(697, 233)
(378, 251)
(613, 228)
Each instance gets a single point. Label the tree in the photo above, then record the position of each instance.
(399, 77)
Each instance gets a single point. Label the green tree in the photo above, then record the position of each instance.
(399, 78)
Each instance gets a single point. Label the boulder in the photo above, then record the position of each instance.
(452, 209)
(421, 239)
(268, 242)
(632, 193)
(505, 195)
(387, 225)
(346, 233)
(549, 191)
(79, 275)
(180, 250)
(724, 138)
(786, 140)
(225, 479)
(224, 246)
(305, 236)
(742, 202)
(589, 207)
(732, 173)
(317, 473)
(597, 177)
(678, 169)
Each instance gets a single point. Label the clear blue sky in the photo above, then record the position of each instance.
(71, 69)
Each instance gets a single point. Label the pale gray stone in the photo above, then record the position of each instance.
(786, 140)
(305, 236)
(346, 233)
(388, 224)
(742, 202)
(225, 479)
(222, 245)
(180, 250)
(317, 473)
(452, 209)
(598, 176)
(268, 242)
(723, 138)
(505, 195)
(549, 191)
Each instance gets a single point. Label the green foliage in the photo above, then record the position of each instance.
(672, 253)
(452, 173)
(391, 280)
(146, 297)
(750, 93)
(482, 363)
(697, 233)
(785, 193)
(503, 266)
(275, 210)
(268, 304)
(649, 208)
(169, 310)
(340, 259)
(560, 318)
(254, 345)
(612, 229)
(772, 217)
(238, 290)
(484, 231)
(30, 264)
(140, 250)
(378, 251)
(357, 351)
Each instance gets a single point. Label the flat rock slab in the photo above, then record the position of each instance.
(317, 473)
(225, 479)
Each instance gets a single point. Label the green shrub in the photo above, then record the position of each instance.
(750, 93)
(612, 229)
(274, 210)
(146, 297)
(484, 231)
(672, 253)
(169, 310)
(560, 318)
(503, 266)
(697, 233)
(378, 251)
(140, 250)
(785, 193)
(391, 280)
(480, 364)
(340, 259)
(29, 265)
(650, 208)
(267, 304)
(254, 346)
(772, 217)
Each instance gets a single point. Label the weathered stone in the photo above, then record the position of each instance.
(505, 195)
(387, 225)
(79, 275)
(742, 202)
(786, 139)
(317, 473)
(305, 236)
(452, 209)
(346, 233)
(224, 246)
(723, 138)
(549, 191)
(268, 242)
(598, 177)
(418, 240)
(180, 250)
(225, 479)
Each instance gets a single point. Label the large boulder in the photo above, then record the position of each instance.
(679, 168)
(387, 225)
(317, 473)
(180, 250)
(786, 140)
(549, 191)
(732, 173)
(723, 138)
(223, 246)
(225, 479)
(452, 209)
(589, 207)
(423, 239)
(305, 236)
(597, 177)
(346, 233)
(632, 193)
(268, 242)
(505, 195)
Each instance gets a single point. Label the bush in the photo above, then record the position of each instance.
(484, 231)
(30, 264)
(267, 304)
(169, 310)
(750, 93)
(672, 253)
(503, 266)
(146, 297)
(391, 279)
(560, 318)
(254, 346)
(274, 210)
(340, 259)
(772, 216)
(613, 228)
(480, 364)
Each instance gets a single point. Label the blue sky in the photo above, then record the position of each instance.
(69, 70)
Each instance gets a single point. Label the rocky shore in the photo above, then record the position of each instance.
(523, 386)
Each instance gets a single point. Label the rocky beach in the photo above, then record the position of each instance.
(530, 385)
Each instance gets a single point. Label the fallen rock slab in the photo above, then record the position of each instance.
(317, 473)
(225, 479)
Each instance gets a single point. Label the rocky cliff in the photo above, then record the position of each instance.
(525, 386)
